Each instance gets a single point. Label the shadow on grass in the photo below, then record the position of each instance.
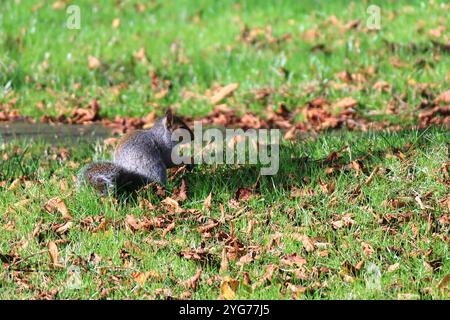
(323, 157)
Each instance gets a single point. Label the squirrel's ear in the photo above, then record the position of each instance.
(169, 118)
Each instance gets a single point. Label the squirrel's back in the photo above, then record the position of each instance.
(140, 152)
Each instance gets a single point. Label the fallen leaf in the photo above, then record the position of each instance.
(172, 204)
(408, 296)
(134, 223)
(243, 194)
(207, 203)
(267, 277)
(63, 228)
(308, 244)
(393, 267)
(115, 23)
(53, 252)
(296, 290)
(180, 194)
(292, 260)
(345, 221)
(419, 202)
(345, 103)
(228, 288)
(141, 277)
(58, 205)
(372, 175)
(444, 97)
(168, 229)
(327, 188)
(93, 63)
(224, 92)
(224, 263)
(437, 32)
(381, 86)
(192, 282)
(246, 259)
(14, 185)
(367, 249)
(443, 285)
(58, 5)
(140, 55)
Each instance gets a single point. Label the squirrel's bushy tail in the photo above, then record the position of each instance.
(108, 177)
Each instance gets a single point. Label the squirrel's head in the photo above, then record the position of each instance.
(169, 124)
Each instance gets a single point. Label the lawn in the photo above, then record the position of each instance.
(358, 210)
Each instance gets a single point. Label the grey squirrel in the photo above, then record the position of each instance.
(141, 157)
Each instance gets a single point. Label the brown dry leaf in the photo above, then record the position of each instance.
(93, 63)
(168, 229)
(248, 120)
(443, 285)
(381, 86)
(63, 228)
(14, 185)
(208, 202)
(224, 265)
(134, 223)
(296, 290)
(37, 229)
(301, 193)
(290, 134)
(393, 267)
(162, 93)
(345, 103)
(292, 260)
(115, 23)
(208, 227)
(228, 288)
(63, 186)
(85, 115)
(172, 204)
(243, 194)
(53, 252)
(346, 277)
(367, 249)
(267, 277)
(345, 221)
(372, 175)
(58, 205)
(180, 194)
(408, 296)
(58, 5)
(308, 244)
(140, 55)
(199, 254)
(327, 188)
(444, 97)
(436, 33)
(224, 92)
(141, 277)
(192, 282)
(419, 202)
(246, 259)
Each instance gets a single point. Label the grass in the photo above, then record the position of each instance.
(367, 211)
(384, 217)
(197, 44)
